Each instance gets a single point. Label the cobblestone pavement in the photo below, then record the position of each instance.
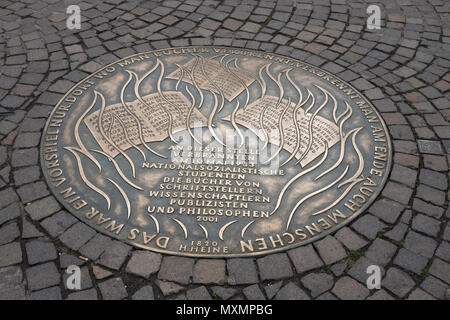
(402, 69)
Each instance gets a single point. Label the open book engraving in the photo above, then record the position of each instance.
(322, 129)
(157, 117)
(212, 75)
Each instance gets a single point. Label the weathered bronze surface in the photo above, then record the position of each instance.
(215, 152)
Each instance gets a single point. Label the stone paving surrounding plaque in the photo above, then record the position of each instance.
(402, 69)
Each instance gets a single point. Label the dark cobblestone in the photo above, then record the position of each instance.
(39, 251)
(242, 271)
(224, 293)
(144, 293)
(42, 276)
(95, 246)
(144, 263)
(348, 289)
(113, 289)
(176, 269)
(397, 282)
(90, 294)
(330, 250)
(114, 256)
(368, 226)
(200, 293)
(168, 288)
(274, 267)
(426, 225)
(209, 272)
(9, 233)
(291, 292)
(53, 293)
(441, 270)
(58, 223)
(410, 261)
(317, 283)
(42, 208)
(305, 258)
(77, 235)
(381, 252)
(386, 210)
(419, 244)
(350, 239)
(10, 254)
(435, 287)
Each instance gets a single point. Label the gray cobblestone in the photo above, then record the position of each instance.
(9, 233)
(274, 267)
(427, 208)
(10, 212)
(368, 225)
(200, 293)
(444, 251)
(26, 175)
(330, 250)
(7, 197)
(40, 251)
(441, 270)
(426, 225)
(350, 239)
(177, 269)
(10, 278)
(42, 208)
(10, 254)
(305, 258)
(253, 292)
(114, 256)
(168, 288)
(24, 157)
(53, 293)
(242, 271)
(95, 246)
(381, 252)
(386, 210)
(317, 283)
(42, 276)
(410, 261)
(223, 293)
(144, 293)
(77, 235)
(419, 294)
(58, 223)
(404, 175)
(113, 289)
(380, 295)
(348, 289)
(398, 282)
(90, 294)
(435, 287)
(32, 191)
(144, 263)
(419, 244)
(291, 292)
(209, 272)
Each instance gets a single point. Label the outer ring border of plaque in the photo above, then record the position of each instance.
(235, 255)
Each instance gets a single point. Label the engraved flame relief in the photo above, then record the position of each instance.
(215, 152)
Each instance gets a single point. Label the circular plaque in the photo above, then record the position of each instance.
(215, 151)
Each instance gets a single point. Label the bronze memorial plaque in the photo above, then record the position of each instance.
(215, 151)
